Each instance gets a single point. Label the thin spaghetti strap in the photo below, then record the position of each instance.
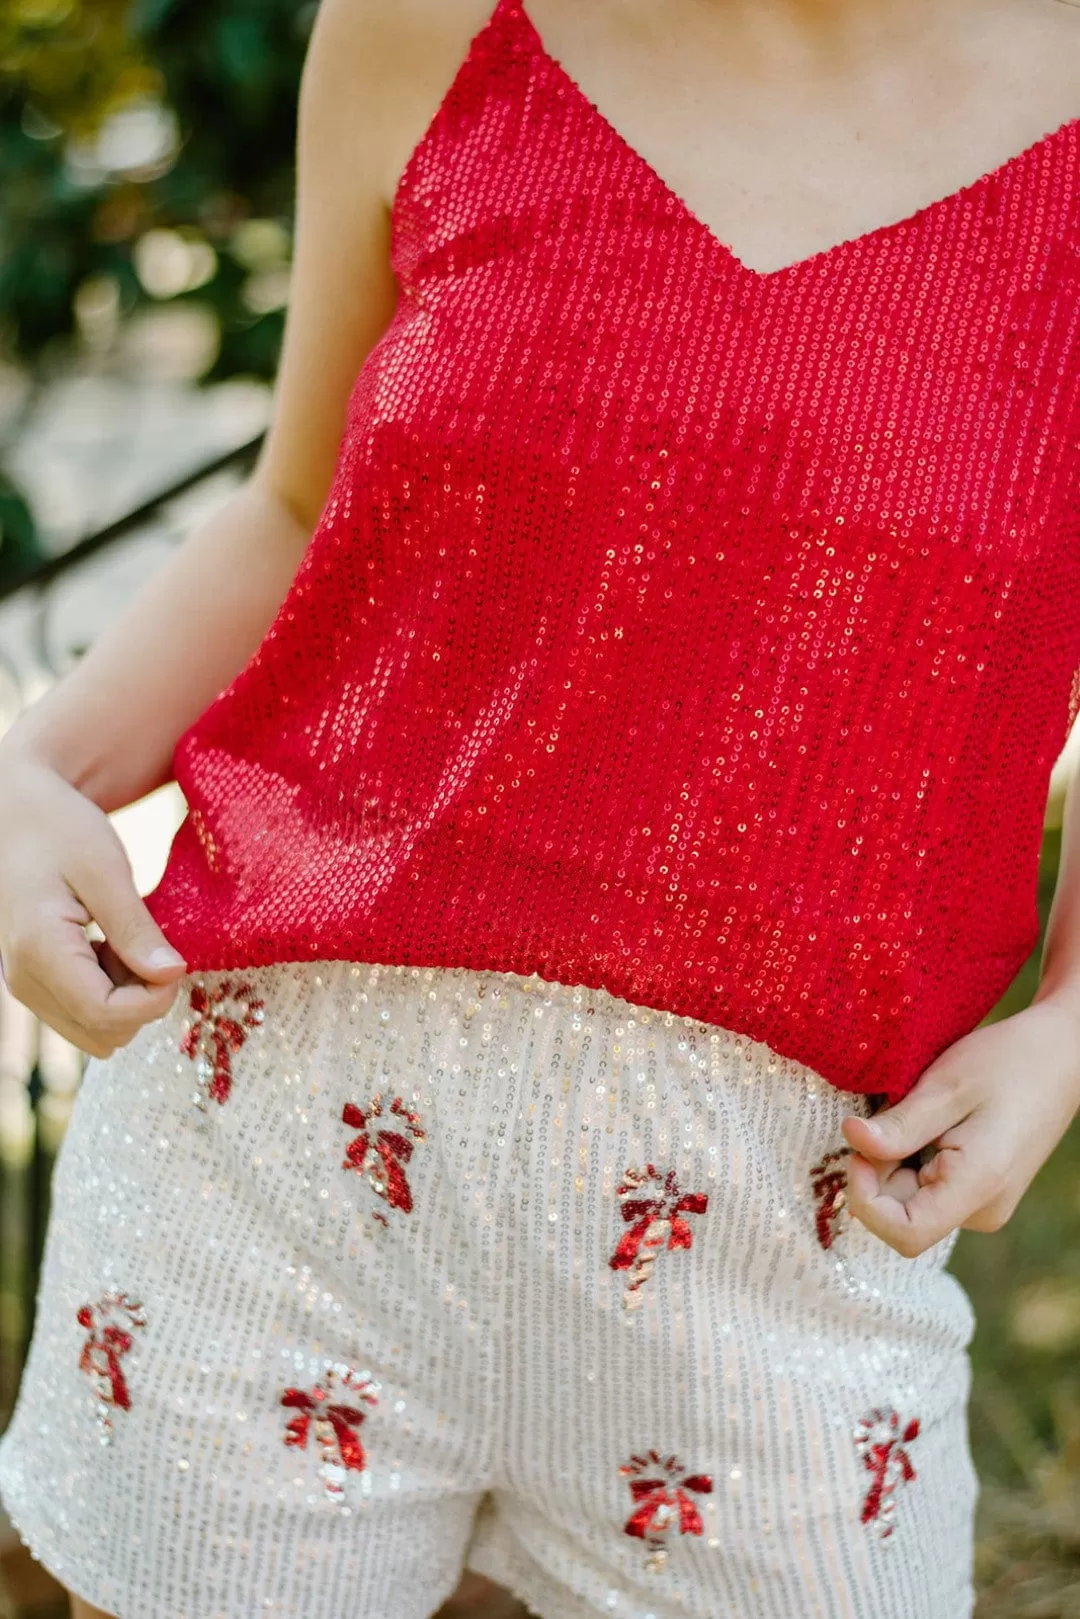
(477, 50)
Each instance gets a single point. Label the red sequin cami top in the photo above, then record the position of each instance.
(702, 634)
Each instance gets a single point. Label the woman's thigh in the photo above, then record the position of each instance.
(83, 1610)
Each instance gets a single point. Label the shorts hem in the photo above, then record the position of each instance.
(41, 1550)
(543, 1595)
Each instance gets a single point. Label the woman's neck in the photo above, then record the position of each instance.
(822, 39)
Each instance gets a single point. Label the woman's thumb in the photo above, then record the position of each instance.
(130, 931)
(160, 956)
(147, 951)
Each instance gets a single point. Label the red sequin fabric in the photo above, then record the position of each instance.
(702, 634)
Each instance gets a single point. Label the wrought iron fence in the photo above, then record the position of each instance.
(43, 632)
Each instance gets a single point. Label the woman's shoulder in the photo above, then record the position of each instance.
(394, 60)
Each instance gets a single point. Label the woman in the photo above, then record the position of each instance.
(615, 718)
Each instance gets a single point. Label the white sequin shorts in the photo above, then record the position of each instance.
(357, 1275)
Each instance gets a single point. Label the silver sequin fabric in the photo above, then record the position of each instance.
(358, 1274)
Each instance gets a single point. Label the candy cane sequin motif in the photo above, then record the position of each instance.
(223, 1017)
(334, 1423)
(881, 1444)
(653, 1205)
(658, 1487)
(111, 1323)
(830, 1193)
(382, 1154)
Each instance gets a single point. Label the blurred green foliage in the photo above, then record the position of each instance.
(146, 156)
(124, 118)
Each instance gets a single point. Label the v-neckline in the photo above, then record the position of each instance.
(826, 255)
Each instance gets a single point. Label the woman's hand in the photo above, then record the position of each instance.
(62, 865)
(995, 1105)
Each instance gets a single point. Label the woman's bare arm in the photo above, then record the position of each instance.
(105, 734)
(110, 726)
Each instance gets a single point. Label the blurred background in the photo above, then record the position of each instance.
(146, 193)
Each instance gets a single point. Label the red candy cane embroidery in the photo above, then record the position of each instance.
(830, 1193)
(334, 1424)
(658, 1488)
(109, 1323)
(382, 1154)
(655, 1205)
(880, 1443)
(222, 1018)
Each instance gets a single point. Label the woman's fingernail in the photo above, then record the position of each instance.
(165, 956)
